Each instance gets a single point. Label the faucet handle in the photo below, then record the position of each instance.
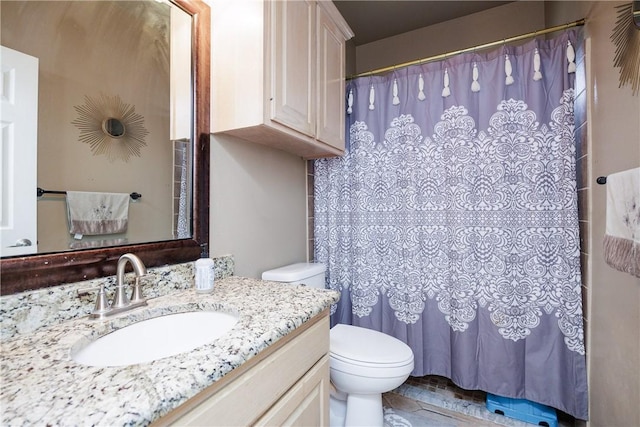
(102, 305)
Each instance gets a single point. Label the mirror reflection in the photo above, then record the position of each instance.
(113, 127)
(111, 102)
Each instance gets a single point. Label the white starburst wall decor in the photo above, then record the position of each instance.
(111, 127)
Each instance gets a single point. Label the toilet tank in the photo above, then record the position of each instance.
(306, 273)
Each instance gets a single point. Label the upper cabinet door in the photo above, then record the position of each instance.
(293, 53)
(331, 81)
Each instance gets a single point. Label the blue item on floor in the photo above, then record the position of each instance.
(522, 409)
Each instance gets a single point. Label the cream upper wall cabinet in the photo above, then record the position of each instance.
(278, 74)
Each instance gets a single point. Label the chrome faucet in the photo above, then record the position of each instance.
(120, 302)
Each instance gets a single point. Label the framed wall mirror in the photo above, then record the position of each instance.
(155, 72)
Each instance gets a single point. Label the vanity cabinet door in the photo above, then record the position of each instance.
(287, 381)
(306, 404)
(293, 53)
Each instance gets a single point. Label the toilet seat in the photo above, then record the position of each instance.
(365, 352)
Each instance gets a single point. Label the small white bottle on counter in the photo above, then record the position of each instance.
(204, 272)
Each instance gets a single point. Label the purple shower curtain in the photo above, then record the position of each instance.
(451, 222)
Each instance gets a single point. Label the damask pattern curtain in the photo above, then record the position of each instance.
(451, 222)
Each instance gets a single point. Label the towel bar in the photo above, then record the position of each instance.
(40, 192)
(601, 180)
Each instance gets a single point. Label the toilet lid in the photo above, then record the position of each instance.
(362, 345)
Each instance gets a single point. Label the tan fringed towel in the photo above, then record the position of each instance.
(97, 213)
(622, 236)
(97, 242)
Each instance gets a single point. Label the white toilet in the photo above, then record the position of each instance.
(363, 363)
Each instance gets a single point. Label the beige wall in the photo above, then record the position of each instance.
(614, 317)
(472, 30)
(258, 205)
(613, 314)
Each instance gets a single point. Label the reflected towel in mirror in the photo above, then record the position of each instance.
(97, 213)
(97, 242)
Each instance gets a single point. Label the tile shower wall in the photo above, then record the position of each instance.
(310, 209)
(181, 152)
(582, 174)
(582, 178)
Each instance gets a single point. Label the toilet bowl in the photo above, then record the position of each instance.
(363, 363)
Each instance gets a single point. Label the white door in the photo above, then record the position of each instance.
(18, 154)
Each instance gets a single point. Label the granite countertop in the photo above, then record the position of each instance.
(42, 385)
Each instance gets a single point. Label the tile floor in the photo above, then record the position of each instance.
(436, 401)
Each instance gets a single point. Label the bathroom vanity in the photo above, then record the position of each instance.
(287, 383)
(272, 366)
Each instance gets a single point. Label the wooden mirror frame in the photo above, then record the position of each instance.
(30, 272)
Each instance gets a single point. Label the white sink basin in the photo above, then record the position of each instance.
(155, 338)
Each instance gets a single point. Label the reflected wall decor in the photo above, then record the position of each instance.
(111, 127)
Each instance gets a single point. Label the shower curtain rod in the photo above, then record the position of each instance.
(577, 23)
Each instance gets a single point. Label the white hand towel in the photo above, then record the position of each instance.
(97, 213)
(622, 235)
